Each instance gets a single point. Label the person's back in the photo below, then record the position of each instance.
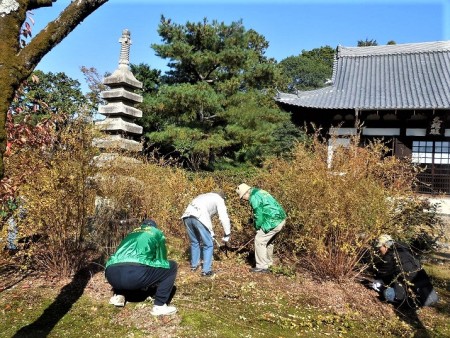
(204, 206)
(144, 245)
(267, 211)
(409, 265)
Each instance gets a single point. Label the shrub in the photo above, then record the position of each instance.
(336, 211)
(139, 189)
(58, 200)
(79, 208)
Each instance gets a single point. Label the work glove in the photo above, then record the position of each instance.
(226, 238)
(377, 285)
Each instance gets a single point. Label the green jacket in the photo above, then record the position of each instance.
(144, 245)
(267, 212)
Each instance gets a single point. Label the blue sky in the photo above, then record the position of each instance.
(290, 26)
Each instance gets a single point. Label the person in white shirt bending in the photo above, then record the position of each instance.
(197, 219)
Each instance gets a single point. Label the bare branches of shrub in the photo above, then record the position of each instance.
(58, 199)
(336, 209)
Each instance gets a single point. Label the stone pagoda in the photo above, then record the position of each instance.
(121, 131)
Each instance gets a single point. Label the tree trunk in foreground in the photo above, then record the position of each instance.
(17, 62)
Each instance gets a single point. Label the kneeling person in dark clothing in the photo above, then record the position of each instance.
(402, 275)
(140, 262)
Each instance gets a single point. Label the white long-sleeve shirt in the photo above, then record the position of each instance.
(204, 206)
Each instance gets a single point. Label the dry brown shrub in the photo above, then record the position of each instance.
(335, 212)
(136, 190)
(58, 200)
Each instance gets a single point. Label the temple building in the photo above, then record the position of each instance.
(400, 93)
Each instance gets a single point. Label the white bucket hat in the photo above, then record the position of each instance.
(242, 189)
(385, 240)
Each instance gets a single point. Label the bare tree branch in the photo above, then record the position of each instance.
(17, 64)
(35, 4)
(57, 30)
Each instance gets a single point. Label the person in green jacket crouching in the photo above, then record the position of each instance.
(268, 219)
(140, 262)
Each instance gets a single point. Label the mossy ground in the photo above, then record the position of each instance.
(234, 303)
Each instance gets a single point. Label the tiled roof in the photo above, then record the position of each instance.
(406, 76)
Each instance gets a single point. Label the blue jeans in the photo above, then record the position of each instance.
(199, 235)
(389, 294)
(395, 293)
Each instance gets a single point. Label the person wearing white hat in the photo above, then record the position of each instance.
(268, 219)
(404, 281)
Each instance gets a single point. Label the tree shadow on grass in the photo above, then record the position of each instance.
(410, 317)
(11, 275)
(68, 296)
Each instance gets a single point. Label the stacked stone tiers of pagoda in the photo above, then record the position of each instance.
(119, 127)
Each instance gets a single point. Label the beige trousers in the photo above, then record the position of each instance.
(264, 246)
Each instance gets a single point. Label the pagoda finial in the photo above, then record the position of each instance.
(125, 42)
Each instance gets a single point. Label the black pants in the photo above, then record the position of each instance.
(125, 277)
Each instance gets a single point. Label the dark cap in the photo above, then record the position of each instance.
(148, 223)
(221, 193)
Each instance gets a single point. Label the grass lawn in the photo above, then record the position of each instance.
(234, 303)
